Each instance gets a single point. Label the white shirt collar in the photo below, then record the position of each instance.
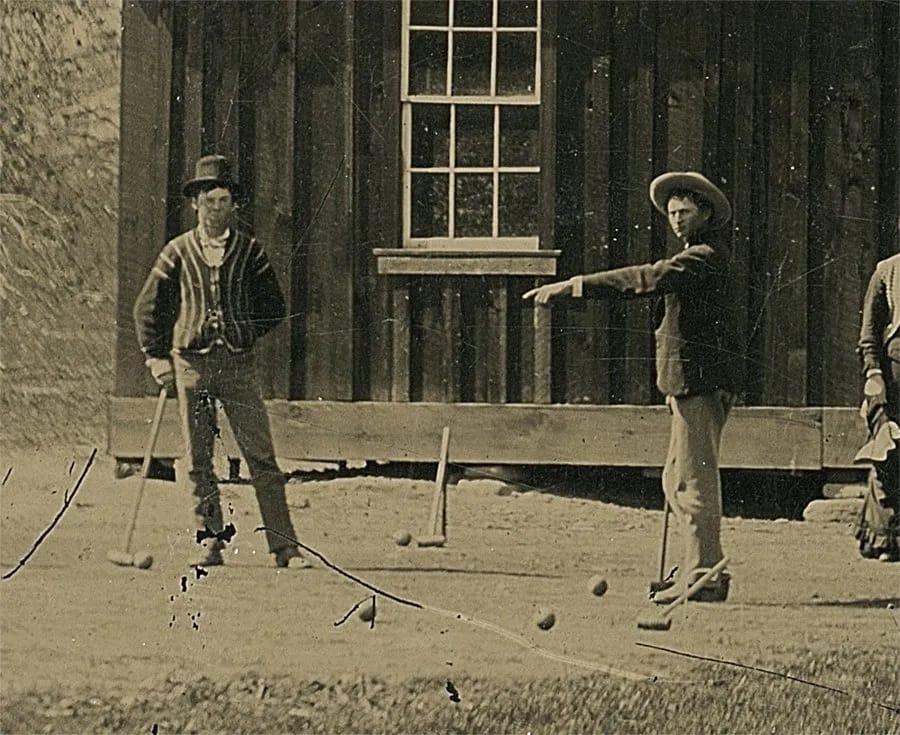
(213, 242)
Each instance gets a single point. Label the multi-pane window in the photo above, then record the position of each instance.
(471, 102)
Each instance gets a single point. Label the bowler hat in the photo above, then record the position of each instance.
(214, 169)
(662, 186)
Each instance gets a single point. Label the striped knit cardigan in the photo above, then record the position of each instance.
(881, 314)
(186, 305)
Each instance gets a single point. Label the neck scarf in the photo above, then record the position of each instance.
(213, 247)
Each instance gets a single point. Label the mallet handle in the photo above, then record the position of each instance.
(663, 543)
(438, 520)
(695, 587)
(145, 467)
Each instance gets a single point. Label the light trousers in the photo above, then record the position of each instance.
(691, 480)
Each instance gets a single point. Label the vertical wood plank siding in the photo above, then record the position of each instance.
(497, 339)
(224, 50)
(847, 108)
(633, 120)
(377, 204)
(274, 217)
(791, 108)
(786, 67)
(143, 173)
(187, 110)
(583, 170)
(546, 329)
(887, 18)
(325, 121)
(736, 163)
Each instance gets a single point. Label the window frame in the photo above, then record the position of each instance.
(495, 242)
(533, 256)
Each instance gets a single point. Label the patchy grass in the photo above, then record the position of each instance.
(715, 697)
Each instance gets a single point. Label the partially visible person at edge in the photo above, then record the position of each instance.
(696, 363)
(878, 528)
(210, 295)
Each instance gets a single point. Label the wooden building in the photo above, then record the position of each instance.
(414, 166)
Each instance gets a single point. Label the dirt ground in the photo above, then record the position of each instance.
(80, 635)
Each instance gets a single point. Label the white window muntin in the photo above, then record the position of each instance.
(450, 29)
(451, 241)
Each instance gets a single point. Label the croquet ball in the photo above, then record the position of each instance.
(545, 619)
(143, 560)
(597, 585)
(402, 538)
(366, 612)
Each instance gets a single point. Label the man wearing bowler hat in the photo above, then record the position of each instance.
(210, 295)
(695, 360)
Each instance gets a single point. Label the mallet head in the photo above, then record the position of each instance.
(654, 622)
(121, 558)
(437, 540)
(141, 560)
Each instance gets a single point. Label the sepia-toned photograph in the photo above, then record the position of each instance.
(514, 367)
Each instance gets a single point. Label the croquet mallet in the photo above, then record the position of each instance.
(661, 620)
(663, 582)
(437, 522)
(125, 557)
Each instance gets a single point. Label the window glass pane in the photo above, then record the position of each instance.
(472, 63)
(519, 136)
(430, 205)
(428, 12)
(430, 136)
(517, 13)
(473, 13)
(474, 203)
(515, 63)
(518, 205)
(475, 135)
(427, 62)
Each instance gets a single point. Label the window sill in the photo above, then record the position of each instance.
(410, 261)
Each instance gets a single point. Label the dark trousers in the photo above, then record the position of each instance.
(230, 378)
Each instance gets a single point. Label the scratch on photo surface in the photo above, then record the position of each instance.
(469, 620)
(453, 692)
(67, 501)
(225, 535)
(891, 608)
(356, 607)
(894, 708)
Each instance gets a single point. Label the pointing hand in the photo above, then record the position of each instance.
(543, 294)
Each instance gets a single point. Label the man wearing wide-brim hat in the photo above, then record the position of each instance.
(211, 294)
(696, 359)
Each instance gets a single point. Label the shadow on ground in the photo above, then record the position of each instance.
(746, 494)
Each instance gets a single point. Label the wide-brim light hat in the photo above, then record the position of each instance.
(212, 170)
(662, 186)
